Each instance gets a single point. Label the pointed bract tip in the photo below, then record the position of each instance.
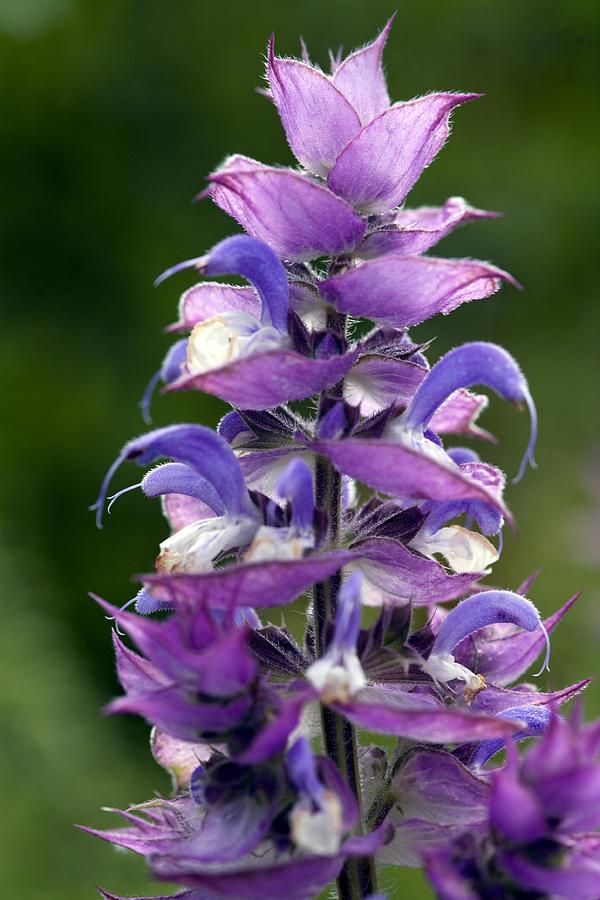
(201, 195)
(304, 50)
(114, 497)
(196, 263)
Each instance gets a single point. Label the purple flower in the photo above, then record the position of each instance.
(194, 678)
(355, 494)
(540, 811)
(243, 358)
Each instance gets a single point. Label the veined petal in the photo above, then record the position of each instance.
(181, 510)
(209, 298)
(459, 413)
(465, 551)
(267, 583)
(233, 828)
(179, 758)
(394, 469)
(361, 79)
(380, 165)
(317, 118)
(297, 217)
(264, 875)
(263, 468)
(267, 379)
(405, 290)
(419, 717)
(413, 231)
(391, 571)
(376, 382)
(435, 786)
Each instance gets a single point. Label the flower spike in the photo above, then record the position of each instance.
(355, 494)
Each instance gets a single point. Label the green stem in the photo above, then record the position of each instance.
(358, 876)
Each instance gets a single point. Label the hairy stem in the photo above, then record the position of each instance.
(358, 877)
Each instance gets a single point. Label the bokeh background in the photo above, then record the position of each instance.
(112, 112)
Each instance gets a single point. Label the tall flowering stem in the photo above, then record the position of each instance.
(366, 501)
(358, 877)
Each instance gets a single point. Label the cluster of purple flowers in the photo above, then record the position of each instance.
(276, 791)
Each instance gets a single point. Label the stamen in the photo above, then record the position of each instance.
(528, 456)
(121, 608)
(114, 497)
(146, 400)
(197, 263)
(546, 664)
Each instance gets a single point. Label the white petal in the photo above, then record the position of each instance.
(443, 667)
(227, 337)
(278, 543)
(465, 551)
(193, 548)
(414, 439)
(337, 676)
(318, 832)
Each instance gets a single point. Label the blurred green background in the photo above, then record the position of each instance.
(112, 113)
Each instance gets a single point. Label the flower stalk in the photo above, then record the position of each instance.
(265, 509)
(358, 877)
